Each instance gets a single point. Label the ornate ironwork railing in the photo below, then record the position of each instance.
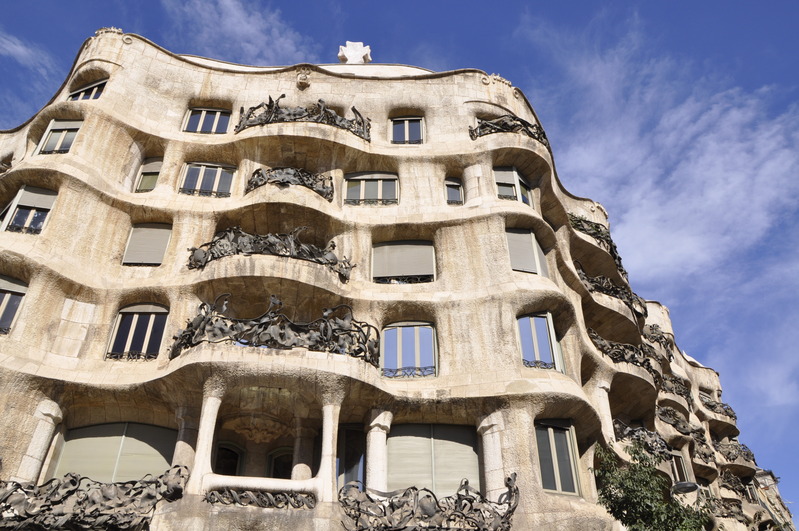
(733, 450)
(538, 364)
(409, 372)
(602, 235)
(414, 508)
(336, 331)
(371, 202)
(270, 112)
(408, 279)
(132, 355)
(702, 449)
(321, 184)
(676, 386)
(23, 229)
(270, 500)
(77, 502)
(508, 123)
(5, 330)
(652, 441)
(639, 355)
(507, 197)
(454, 201)
(603, 284)
(234, 240)
(655, 335)
(203, 193)
(718, 407)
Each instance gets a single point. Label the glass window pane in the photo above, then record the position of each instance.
(542, 337)
(194, 121)
(20, 217)
(527, 195)
(38, 219)
(11, 309)
(125, 320)
(222, 123)
(208, 122)
(370, 191)
(389, 189)
(209, 178)
(52, 140)
(139, 332)
(408, 346)
(227, 462)
(414, 131)
(390, 349)
(147, 182)
(69, 137)
(225, 182)
(157, 332)
(426, 347)
(545, 458)
(454, 192)
(526, 334)
(192, 176)
(506, 190)
(74, 97)
(98, 90)
(564, 460)
(398, 131)
(354, 190)
(86, 94)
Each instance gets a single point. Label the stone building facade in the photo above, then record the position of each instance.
(282, 280)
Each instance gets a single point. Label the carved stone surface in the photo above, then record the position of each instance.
(270, 112)
(321, 184)
(652, 441)
(234, 240)
(508, 123)
(336, 331)
(602, 235)
(640, 355)
(413, 508)
(603, 284)
(702, 449)
(734, 450)
(77, 502)
(269, 500)
(354, 53)
(718, 407)
(676, 386)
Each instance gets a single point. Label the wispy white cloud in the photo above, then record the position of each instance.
(232, 30)
(28, 55)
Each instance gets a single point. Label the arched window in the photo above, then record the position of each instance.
(227, 460)
(138, 332)
(408, 350)
(280, 463)
(11, 293)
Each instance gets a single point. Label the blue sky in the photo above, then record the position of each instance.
(680, 117)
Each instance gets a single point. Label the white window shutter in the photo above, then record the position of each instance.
(407, 258)
(522, 250)
(37, 197)
(147, 243)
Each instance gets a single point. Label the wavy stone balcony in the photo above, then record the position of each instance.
(737, 458)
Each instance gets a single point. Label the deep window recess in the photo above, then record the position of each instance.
(147, 244)
(227, 461)
(406, 130)
(454, 191)
(556, 455)
(403, 262)
(138, 332)
(89, 92)
(280, 463)
(60, 136)
(540, 348)
(432, 456)
(209, 121)
(512, 186)
(11, 293)
(408, 350)
(148, 175)
(351, 455)
(371, 188)
(122, 451)
(207, 180)
(28, 211)
(525, 253)
(678, 470)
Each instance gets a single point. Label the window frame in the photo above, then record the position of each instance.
(539, 256)
(203, 113)
(679, 472)
(90, 89)
(412, 277)
(380, 178)
(417, 370)
(274, 455)
(453, 183)
(554, 344)
(9, 213)
(10, 288)
(198, 191)
(240, 452)
(62, 128)
(137, 310)
(549, 426)
(161, 228)
(521, 186)
(406, 121)
(146, 168)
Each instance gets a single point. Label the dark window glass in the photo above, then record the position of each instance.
(147, 182)
(194, 121)
(209, 178)
(389, 189)
(12, 303)
(20, 218)
(156, 333)
(123, 331)
(221, 125)
(414, 131)
(371, 189)
(227, 462)
(69, 137)
(564, 460)
(353, 190)
(139, 333)
(192, 176)
(545, 458)
(208, 122)
(37, 221)
(98, 90)
(454, 193)
(225, 181)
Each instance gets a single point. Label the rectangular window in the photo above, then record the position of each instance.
(512, 185)
(403, 262)
(147, 244)
(207, 180)
(59, 137)
(138, 333)
(372, 188)
(556, 455)
(454, 191)
(678, 471)
(208, 121)
(89, 92)
(409, 350)
(351, 455)
(525, 253)
(406, 130)
(11, 293)
(148, 175)
(432, 456)
(29, 210)
(540, 348)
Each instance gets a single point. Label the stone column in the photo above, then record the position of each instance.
(327, 465)
(187, 436)
(376, 453)
(602, 403)
(48, 414)
(490, 428)
(303, 450)
(213, 391)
